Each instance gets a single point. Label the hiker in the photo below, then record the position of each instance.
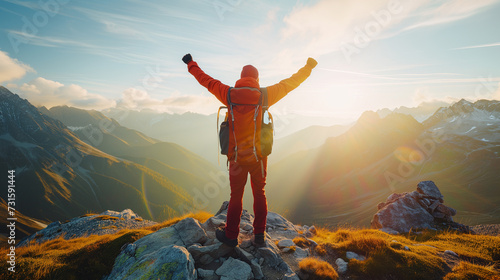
(243, 154)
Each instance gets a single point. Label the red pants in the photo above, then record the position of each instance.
(238, 175)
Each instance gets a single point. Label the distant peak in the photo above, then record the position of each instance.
(5, 91)
(369, 116)
(463, 101)
(400, 116)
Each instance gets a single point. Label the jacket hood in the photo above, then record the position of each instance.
(247, 82)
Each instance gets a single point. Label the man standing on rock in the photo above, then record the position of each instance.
(244, 155)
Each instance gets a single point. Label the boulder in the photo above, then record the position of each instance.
(271, 255)
(283, 243)
(185, 233)
(278, 226)
(449, 252)
(402, 215)
(215, 251)
(207, 274)
(169, 262)
(300, 253)
(421, 209)
(447, 211)
(234, 269)
(244, 255)
(256, 270)
(276, 221)
(351, 255)
(429, 189)
(341, 266)
(190, 231)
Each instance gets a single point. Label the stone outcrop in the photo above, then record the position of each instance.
(172, 260)
(146, 256)
(420, 209)
(202, 256)
(108, 222)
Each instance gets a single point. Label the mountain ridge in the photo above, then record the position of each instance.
(353, 171)
(186, 248)
(64, 176)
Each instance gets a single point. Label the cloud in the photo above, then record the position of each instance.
(11, 69)
(43, 92)
(451, 10)
(479, 46)
(422, 97)
(328, 26)
(485, 88)
(331, 26)
(137, 99)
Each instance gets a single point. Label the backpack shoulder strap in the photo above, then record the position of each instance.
(265, 101)
(229, 96)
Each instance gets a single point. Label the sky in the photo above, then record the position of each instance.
(371, 54)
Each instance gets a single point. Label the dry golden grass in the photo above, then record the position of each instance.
(88, 215)
(80, 258)
(320, 250)
(200, 216)
(314, 268)
(105, 217)
(387, 259)
(302, 242)
(466, 271)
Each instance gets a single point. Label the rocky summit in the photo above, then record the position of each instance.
(189, 250)
(108, 222)
(420, 209)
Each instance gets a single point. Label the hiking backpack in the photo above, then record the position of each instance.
(253, 137)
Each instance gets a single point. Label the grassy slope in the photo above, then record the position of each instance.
(80, 258)
(343, 181)
(93, 257)
(387, 257)
(24, 224)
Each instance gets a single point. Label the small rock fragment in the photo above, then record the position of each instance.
(341, 266)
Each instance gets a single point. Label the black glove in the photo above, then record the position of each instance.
(187, 58)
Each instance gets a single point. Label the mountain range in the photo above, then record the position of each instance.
(341, 181)
(59, 176)
(198, 133)
(71, 161)
(420, 113)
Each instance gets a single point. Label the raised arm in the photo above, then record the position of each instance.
(214, 86)
(281, 89)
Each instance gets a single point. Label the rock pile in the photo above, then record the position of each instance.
(189, 250)
(108, 222)
(420, 209)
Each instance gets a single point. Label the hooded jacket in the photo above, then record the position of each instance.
(246, 91)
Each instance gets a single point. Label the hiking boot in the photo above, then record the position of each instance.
(221, 236)
(259, 240)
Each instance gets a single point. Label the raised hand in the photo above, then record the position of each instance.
(187, 58)
(312, 62)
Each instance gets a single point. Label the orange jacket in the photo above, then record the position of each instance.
(275, 92)
(245, 91)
